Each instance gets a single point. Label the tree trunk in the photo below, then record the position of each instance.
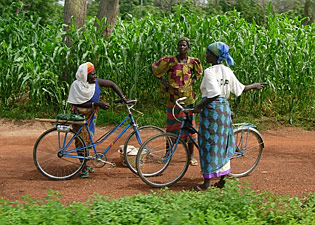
(75, 9)
(263, 7)
(306, 11)
(166, 5)
(108, 9)
(313, 13)
(217, 2)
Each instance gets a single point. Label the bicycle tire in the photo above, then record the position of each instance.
(154, 165)
(50, 161)
(249, 148)
(132, 139)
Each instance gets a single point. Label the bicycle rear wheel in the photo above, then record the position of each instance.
(162, 162)
(249, 148)
(56, 157)
(134, 140)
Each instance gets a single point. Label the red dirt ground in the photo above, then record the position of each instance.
(286, 167)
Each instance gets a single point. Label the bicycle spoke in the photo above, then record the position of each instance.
(159, 169)
(249, 147)
(50, 161)
(133, 140)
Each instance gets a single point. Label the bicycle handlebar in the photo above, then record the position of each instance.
(129, 102)
(180, 106)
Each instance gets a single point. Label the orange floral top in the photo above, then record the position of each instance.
(179, 76)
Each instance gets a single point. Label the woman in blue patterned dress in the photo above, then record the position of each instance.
(216, 139)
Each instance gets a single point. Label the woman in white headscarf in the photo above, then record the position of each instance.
(84, 96)
(215, 135)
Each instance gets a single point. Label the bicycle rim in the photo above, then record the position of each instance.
(249, 147)
(144, 132)
(156, 165)
(54, 163)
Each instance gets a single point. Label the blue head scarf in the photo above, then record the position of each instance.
(221, 50)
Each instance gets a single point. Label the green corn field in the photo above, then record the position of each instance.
(37, 68)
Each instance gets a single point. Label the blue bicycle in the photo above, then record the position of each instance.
(56, 156)
(163, 159)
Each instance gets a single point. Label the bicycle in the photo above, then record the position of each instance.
(56, 156)
(167, 151)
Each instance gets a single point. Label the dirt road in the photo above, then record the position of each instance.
(287, 167)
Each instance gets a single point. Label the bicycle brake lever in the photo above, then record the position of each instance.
(131, 102)
(128, 102)
(118, 101)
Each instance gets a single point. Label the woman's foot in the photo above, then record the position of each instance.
(220, 184)
(193, 162)
(84, 174)
(200, 188)
(90, 169)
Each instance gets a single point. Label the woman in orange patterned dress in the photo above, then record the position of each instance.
(182, 71)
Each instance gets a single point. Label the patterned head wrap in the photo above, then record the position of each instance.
(184, 39)
(221, 50)
(90, 67)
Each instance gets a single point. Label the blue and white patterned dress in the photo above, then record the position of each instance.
(215, 135)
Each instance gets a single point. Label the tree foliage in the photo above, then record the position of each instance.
(49, 10)
(252, 10)
(33, 58)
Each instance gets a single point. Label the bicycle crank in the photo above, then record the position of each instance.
(99, 160)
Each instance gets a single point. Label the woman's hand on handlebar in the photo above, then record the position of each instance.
(197, 109)
(125, 100)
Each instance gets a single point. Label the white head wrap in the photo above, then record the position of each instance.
(81, 91)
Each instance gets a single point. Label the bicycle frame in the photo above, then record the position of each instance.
(64, 146)
(239, 148)
(153, 165)
(181, 131)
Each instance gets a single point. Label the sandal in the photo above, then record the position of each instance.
(219, 184)
(84, 174)
(198, 188)
(193, 162)
(90, 169)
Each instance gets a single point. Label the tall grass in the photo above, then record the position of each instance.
(36, 66)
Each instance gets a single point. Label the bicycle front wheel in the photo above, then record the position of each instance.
(249, 148)
(55, 154)
(137, 140)
(161, 161)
